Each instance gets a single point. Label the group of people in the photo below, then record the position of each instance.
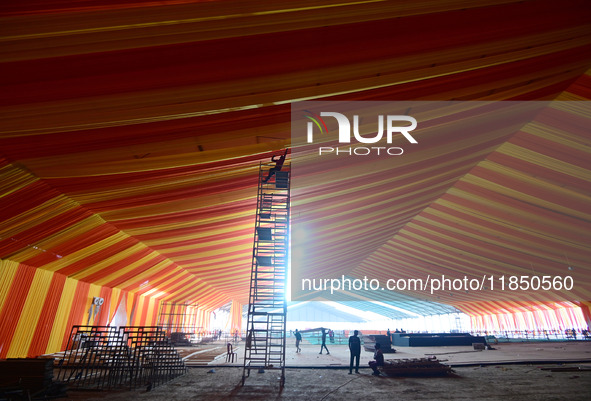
(330, 333)
(217, 335)
(354, 349)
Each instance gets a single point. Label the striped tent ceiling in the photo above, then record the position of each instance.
(485, 198)
(132, 132)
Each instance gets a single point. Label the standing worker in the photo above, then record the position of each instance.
(355, 348)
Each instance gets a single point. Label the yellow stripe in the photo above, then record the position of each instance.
(8, 269)
(85, 252)
(61, 316)
(137, 278)
(32, 309)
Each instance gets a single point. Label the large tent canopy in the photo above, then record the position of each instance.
(132, 133)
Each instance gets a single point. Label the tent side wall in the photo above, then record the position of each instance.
(39, 307)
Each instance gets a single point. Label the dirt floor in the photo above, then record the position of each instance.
(501, 374)
(517, 382)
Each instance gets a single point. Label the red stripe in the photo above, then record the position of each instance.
(66, 248)
(78, 310)
(45, 324)
(13, 306)
(98, 256)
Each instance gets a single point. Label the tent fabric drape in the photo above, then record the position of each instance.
(39, 307)
(539, 320)
(235, 318)
(131, 135)
(29, 313)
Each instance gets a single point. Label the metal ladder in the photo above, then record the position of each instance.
(267, 308)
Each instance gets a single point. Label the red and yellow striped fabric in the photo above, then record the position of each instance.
(131, 134)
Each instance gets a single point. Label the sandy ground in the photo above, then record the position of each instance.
(501, 374)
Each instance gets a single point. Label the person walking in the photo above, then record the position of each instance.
(355, 349)
(323, 345)
(298, 337)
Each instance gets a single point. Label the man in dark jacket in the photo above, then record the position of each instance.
(355, 348)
